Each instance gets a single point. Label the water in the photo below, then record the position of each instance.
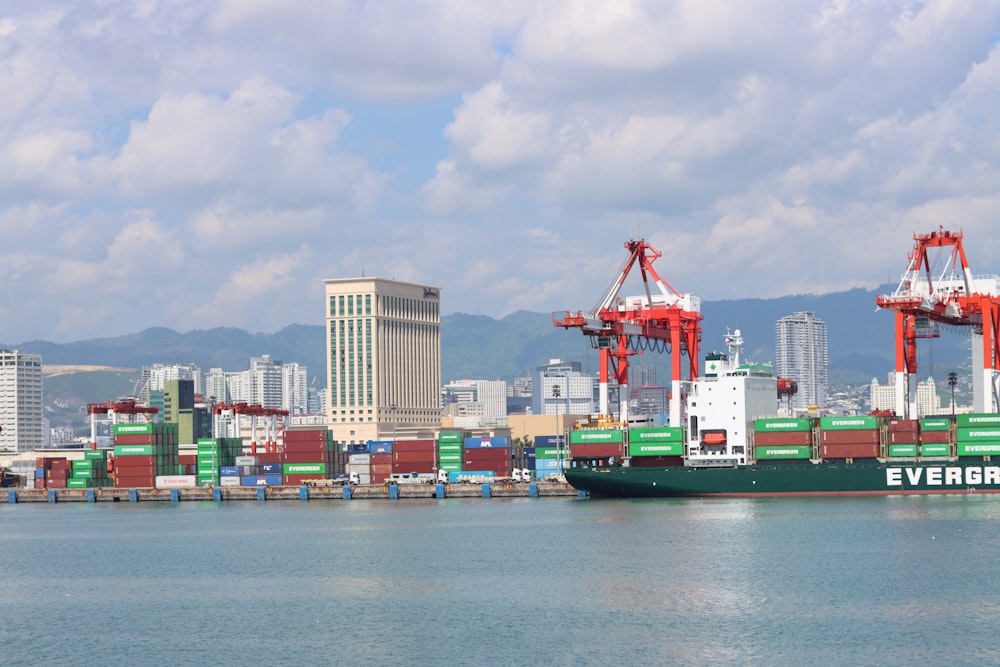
(549, 581)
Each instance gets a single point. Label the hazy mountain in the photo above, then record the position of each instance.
(861, 342)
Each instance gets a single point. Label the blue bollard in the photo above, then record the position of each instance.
(393, 492)
(439, 491)
(175, 495)
(261, 493)
(52, 495)
(91, 496)
(533, 489)
(487, 491)
(133, 496)
(12, 497)
(217, 494)
(303, 492)
(347, 493)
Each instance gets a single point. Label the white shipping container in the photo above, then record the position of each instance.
(360, 459)
(229, 481)
(176, 481)
(245, 461)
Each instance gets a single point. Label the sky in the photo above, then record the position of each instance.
(193, 164)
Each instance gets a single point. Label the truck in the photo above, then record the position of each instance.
(412, 478)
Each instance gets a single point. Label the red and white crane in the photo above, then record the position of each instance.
(938, 288)
(663, 320)
(228, 417)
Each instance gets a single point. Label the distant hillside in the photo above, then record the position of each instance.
(861, 342)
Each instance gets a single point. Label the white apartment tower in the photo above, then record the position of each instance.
(801, 355)
(21, 414)
(383, 342)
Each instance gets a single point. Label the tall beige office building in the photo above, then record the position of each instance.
(21, 412)
(383, 343)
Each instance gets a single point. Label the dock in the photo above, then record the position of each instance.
(301, 493)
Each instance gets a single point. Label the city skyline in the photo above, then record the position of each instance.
(197, 165)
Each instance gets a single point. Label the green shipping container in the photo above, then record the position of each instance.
(551, 452)
(935, 424)
(75, 483)
(978, 420)
(663, 434)
(134, 450)
(96, 455)
(450, 448)
(305, 469)
(450, 467)
(979, 448)
(134, 429)
(775, 452)
(595, 436)
(654, 449)
(780, 424)
(902, 450)
(935, 449)
(450, 458)
(856, 423)
(978, 433)
(450, 437)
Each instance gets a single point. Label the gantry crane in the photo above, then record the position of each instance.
(926, 297)
(227, 414)
(112, 410)
(664, 320)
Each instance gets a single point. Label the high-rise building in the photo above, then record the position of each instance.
(383, 342)
(266, 379)
(801, 355)
(295, 389)
(21, 414)
(559, 387)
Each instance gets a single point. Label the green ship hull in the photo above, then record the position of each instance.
(792, 479)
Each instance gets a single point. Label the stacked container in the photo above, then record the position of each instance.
(849, 437)
(487, 454)
(419, 456)
(935, 436)
(309, 455)
(659, 446)
(903, 437)
(550, 455)
(144, 451)
(213, 454)
(52, 473)
(90, 471)
(592, 444)
(977, 434)
(360, 464)
(782, 438)
(450, 451)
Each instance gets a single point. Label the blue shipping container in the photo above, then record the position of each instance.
(272, 468)
(229, 471)
(261, 480)
(497, 442)
(549, 440)
(549, 464)
(380, 447)
(457, 476)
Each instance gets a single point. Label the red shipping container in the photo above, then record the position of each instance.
(269, 457)
(381, 459)
(858, 437)
(295, 480)
(140, 482)
(304, 457)
(305, 447)
(133, 439)
(401, 446)
(142, 470)
(934, 437)
(55, 484)
(56, 474)
(903, 438)
(904, 426)
(486, 453)
(850, 451)
(595, 451)
(781, 438)
(417, 457)
(187, 459)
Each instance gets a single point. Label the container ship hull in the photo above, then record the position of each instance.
(798, 479)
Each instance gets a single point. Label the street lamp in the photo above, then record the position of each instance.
(952, 381)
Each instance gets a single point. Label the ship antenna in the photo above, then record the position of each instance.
(734, 341)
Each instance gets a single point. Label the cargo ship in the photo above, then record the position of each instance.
(734, 443)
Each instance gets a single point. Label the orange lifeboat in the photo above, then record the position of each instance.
(713, 439)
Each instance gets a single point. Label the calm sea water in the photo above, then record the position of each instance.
(862, 581)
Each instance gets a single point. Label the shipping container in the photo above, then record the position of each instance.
(655, 448)
(782, 438)
(414, 446)
(314, 468)
(175, 481)
(935, 449)
(935, 424)
(495, 442)
(596, 436)
(595, 451)
(977, 420)
(978, 448)
(903, 437)
(967, 434)
(765, 452)
(657, 434)
(855, 423)
(262, 480)
(906, 450)
(850, 437)
(850, 451)
(935, 437)
(782, 424)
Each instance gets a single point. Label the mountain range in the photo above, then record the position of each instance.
(860, 340)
